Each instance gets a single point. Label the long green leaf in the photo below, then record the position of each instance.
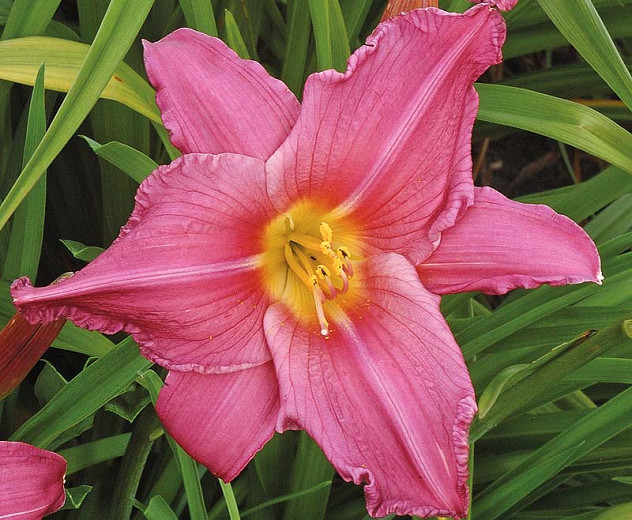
(298, 36)
(20, 59)
(129, 160)
(563, 120)
(579, 22)
(85, 394)
(584, 436)
(158, 509)
(25, 244)
(120, 26)
(199, 15)
(187, 466)
(332, 42)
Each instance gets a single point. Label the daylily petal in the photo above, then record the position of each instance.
(22, 344)
(182, 277)
(221, 420)
(31, 481)
(212, 101)
(387, 395)
(503, 5)
(388, 142)
(500, 244)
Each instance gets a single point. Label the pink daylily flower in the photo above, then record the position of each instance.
(31, 481)
(287, 268)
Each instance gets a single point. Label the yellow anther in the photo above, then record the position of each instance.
(313, 280)
(337, 261)
(326, 232)
(322, 271)
(325, 247)
(344, 251)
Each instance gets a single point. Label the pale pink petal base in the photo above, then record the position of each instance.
(388, 143)
(212, 101)
(500, 245)
(183, 276)
(387, 395)
(221, 420)
(31, 481)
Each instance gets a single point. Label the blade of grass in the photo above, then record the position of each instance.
(120, 26)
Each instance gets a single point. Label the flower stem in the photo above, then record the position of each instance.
(133, 464)
(229, 496)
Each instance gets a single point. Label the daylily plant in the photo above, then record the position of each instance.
(287, 268)
(31, 481)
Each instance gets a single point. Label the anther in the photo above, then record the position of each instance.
(319, 298)
(325, 232)
(343, 252)
(325, 274)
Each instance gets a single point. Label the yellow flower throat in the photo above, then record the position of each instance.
(304, 266)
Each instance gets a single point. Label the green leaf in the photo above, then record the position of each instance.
(286, 498)
(158, 509)
(529, 382)
(21, 58)
(616, 512)
(29, 17)
(199, 15)
(97, 384)
(563, 120)
(129, 160)
(233, 36)
(584, 436)
(332, 42)
(119, 28)
(81, 251)
(187, 466)
(298, 37)
(75, 496)
(92, 453)
(581, 25)
(27, 232)
(310, 468)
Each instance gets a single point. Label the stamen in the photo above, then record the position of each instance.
(325, 274)
(319, 298)
(344, 253)
(345, 281)
(326, 232)
(306, 241)
(295, 266)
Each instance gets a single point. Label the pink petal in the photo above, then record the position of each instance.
(212, 101)
(500, 244)
(387, 395)
(503, 5)
(221, 420)
(31, 481)
(389, 141)
(182, 277)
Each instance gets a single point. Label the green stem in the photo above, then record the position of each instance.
(229, 496)
(133, 464)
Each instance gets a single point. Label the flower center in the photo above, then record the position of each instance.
(305, 265)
